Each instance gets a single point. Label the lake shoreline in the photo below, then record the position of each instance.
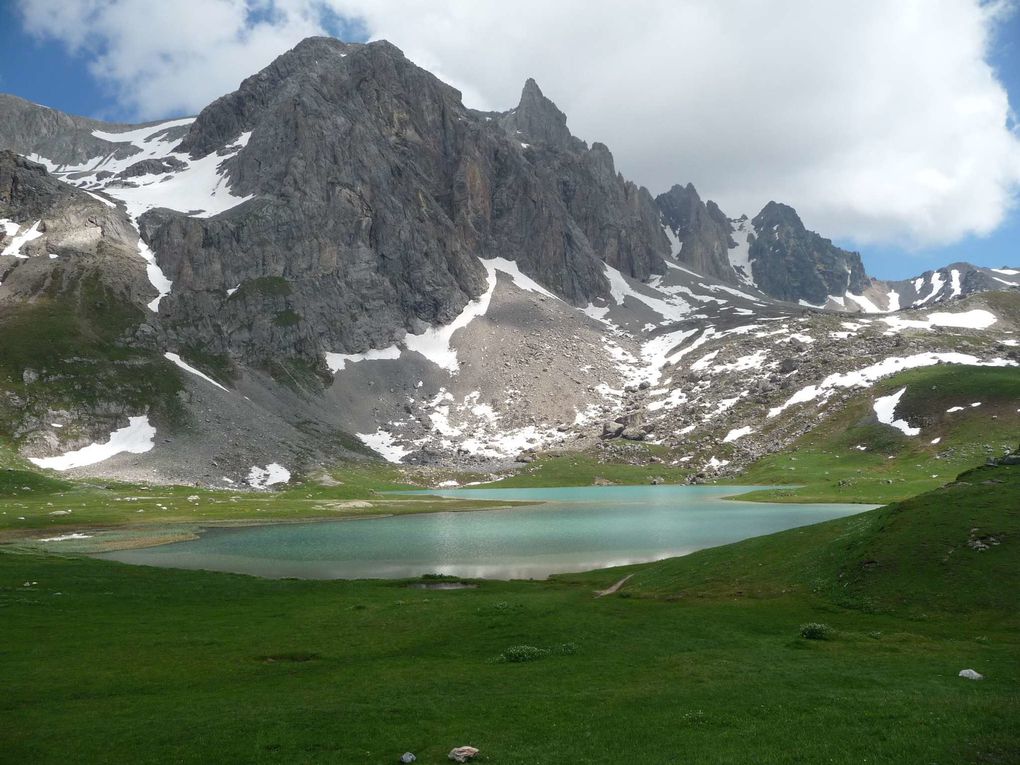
(564, 530)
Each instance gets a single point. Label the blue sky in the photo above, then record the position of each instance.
(44, 71)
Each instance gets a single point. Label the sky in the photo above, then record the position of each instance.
(890, 125)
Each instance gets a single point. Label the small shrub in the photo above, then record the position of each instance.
(815, 631)
(517, 654)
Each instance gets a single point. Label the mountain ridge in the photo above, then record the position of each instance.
(340, 251)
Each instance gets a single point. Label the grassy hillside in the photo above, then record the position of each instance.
(851, 457)
(65, 351)
(697, 659)
(908, 557)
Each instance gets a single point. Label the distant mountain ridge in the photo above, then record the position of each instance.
(340, 257)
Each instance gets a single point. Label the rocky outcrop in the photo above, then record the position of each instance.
(63, 139)
(791, 263)
(538, 119)
(375, 191)
(78, 235)
(702, 230)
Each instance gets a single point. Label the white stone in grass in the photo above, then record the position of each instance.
(971, 674)
(462, 753)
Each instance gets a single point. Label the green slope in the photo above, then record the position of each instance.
(696, 659)
(851, 457)
(910, 557)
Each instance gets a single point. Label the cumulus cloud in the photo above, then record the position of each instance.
(163, 58)
(878, 121)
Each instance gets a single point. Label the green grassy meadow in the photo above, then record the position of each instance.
(695, 659)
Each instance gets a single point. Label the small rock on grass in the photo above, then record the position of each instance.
(462, 753)
(971, 674)
(407, 757)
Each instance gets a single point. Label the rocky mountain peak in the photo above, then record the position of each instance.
(776, 213)
(313, 81)
(538, 120)
(701, 231)
(791, 263)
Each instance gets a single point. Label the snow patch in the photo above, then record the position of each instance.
(675, 245)
(954, 281)
(136, 438)
(863, 378)
(736, 433)
(104, 200)
(976, 319)
(156, 276)
(885, 410)
(937, 283)
(740, 254)
(270, 475)
(20, 240)
(434, 343)
(188, 368)
(383, 443)
(338, 361)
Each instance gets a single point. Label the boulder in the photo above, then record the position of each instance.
(970, 674)
(407, 757)
(611, 429)
(462, 753)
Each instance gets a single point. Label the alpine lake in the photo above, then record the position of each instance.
(572, 529)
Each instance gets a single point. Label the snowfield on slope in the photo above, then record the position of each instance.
(136, 438)
(885, 410)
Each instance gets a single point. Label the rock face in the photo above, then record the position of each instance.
(791, 263)
(375, 189)
(30, 129)
(79, 236)
(702, 231)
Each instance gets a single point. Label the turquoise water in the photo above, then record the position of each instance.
(577, 529)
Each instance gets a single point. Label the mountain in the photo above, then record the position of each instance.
(775, 253)
(701, 234)
(339, 260)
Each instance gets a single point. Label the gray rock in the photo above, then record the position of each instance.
(703, 229)
(970, 674)
(791, 263)
(375, 190)
(407, 757)
(462, 753)
(612, 429)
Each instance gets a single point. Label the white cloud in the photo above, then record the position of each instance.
(878, 121)
(171, 58)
